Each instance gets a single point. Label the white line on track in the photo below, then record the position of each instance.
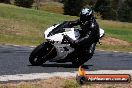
(34, 76)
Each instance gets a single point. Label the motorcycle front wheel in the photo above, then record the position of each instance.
(39, 54)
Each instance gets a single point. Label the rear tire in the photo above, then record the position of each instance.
(86, 55)
(37, 57)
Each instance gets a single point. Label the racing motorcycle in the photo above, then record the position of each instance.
(58, 49)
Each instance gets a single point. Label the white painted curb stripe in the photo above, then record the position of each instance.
(34, 76)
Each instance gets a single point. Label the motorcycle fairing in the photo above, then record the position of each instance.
(62, 51)
(57, 35)
(101, 32)
(56, 32)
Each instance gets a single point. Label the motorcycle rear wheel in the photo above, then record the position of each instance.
(80, 60)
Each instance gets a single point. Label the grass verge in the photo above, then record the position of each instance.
(120, 48)
(62, 83)
(120, 30)
(25, 26)
(54, 7)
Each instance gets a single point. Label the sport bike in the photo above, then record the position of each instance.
(57, 49)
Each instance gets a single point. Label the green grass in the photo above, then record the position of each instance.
(121, 48)
(62, 83)
(124, 34)
(71, 84)
(120, 30)
(51, 6)
(24, 26)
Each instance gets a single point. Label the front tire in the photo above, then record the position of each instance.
(38, 55)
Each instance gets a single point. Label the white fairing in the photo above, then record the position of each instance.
(101, 32)
(71, 32)
(49, 30)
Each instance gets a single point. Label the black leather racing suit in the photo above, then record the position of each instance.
(89, 33)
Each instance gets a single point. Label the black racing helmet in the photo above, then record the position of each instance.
(86, 14)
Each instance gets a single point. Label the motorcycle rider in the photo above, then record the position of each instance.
(90, 31)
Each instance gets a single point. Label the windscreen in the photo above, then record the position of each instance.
(59, 28)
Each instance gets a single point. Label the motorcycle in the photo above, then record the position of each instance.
(58, 49)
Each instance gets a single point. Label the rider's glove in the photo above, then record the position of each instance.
(69, 24)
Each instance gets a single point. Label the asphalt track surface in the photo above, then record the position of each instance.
(14, 60)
